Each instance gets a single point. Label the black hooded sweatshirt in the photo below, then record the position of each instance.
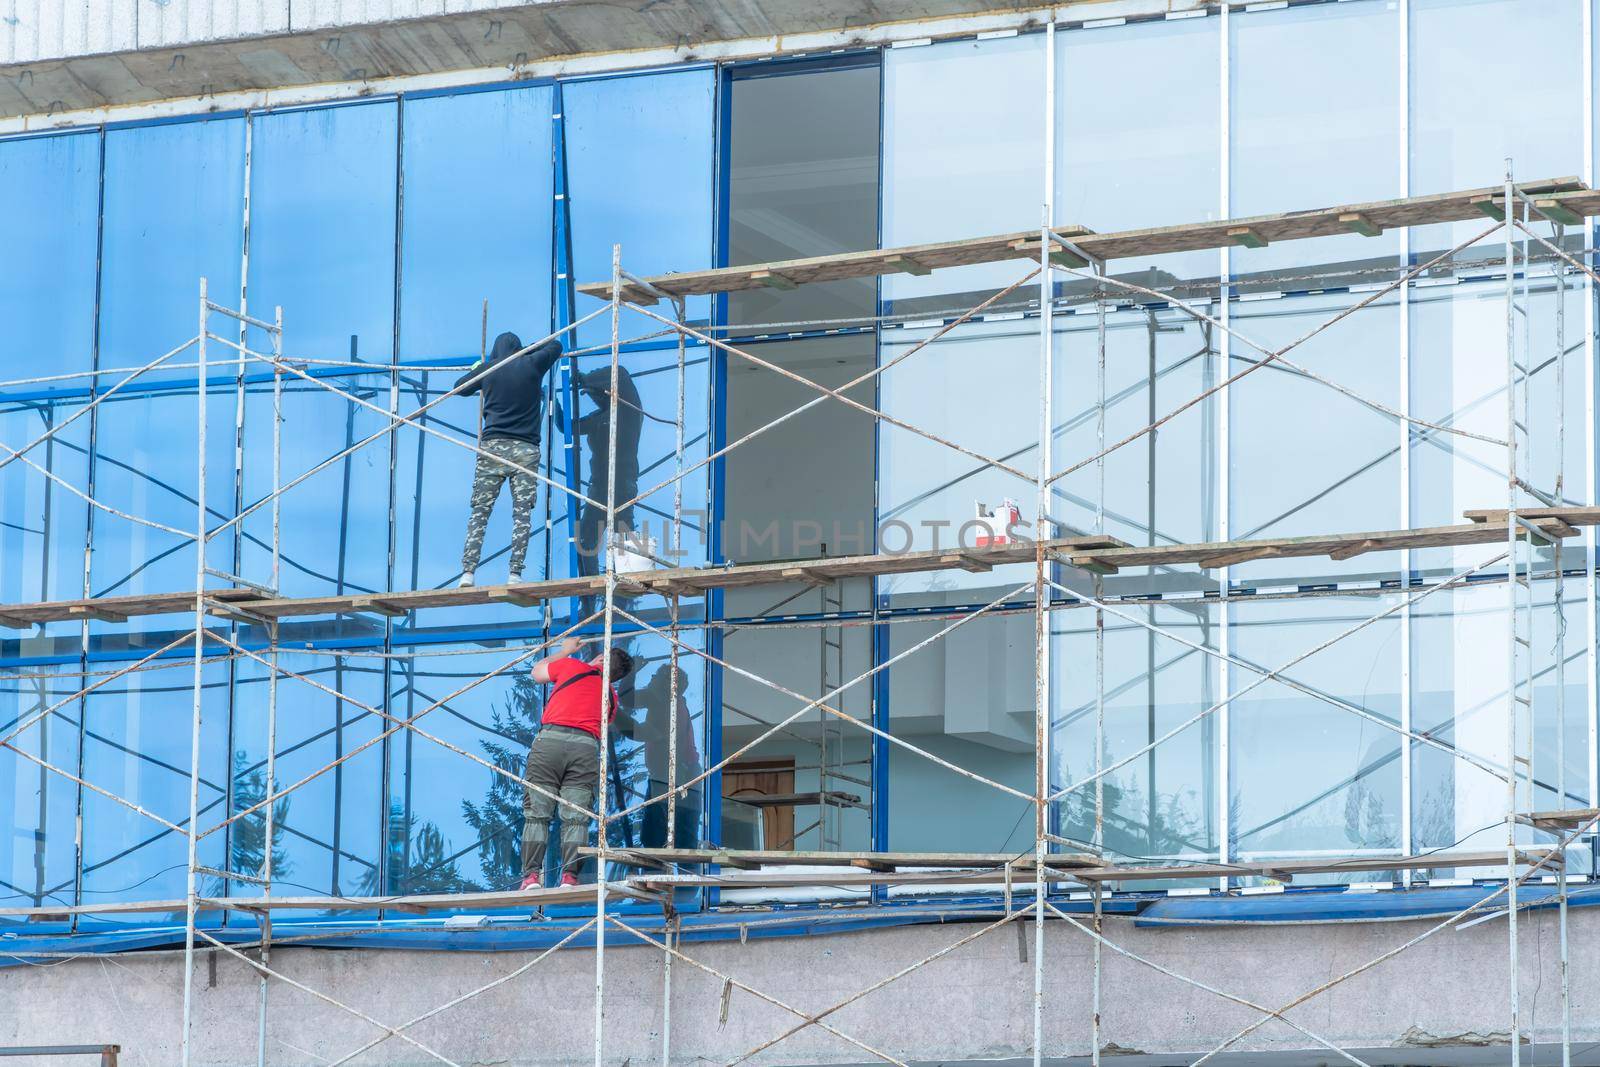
(513, 395)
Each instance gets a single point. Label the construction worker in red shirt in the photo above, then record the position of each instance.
(564, 758)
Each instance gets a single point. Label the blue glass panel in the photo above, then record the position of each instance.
(47, 300)
(333, 526)
(325, 832)
(1462, 140)
(477, 221)
(42, 518)
(963, 156)
(1304, 458)
(640, 152)
(174, 204)
(50, 188)
(643, 745)
(322, 247)
(1160, 488)
(146, 466)
(1143, 162)
(1161, 804)
(928, 490)
(137, 746)
(322, 229)
(433, 484)
(653, 466)
(456, 824)
(1293, 149)
(1308, 778)
(38, 854)
(174, 214)
(478, 196)
(453, 823)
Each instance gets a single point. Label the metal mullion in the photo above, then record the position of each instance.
(1224, 355)
(1407, 813)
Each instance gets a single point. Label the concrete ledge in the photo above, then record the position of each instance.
(509, 37)
(1444, 1001)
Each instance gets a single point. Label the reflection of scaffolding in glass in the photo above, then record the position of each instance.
(1530, 519)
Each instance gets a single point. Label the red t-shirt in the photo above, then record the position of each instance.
(577, 704)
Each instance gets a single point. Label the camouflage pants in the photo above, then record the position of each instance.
(564, 761)
(486, 488)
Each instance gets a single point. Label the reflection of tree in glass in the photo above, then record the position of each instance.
(498, 817)
(1178, 829)
(416, 859)
(1367, 821)
(247, 850)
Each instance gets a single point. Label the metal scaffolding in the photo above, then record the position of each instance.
(1532, 525)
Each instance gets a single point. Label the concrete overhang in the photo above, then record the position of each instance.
(536, 38)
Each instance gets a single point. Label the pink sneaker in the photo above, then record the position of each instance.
(569, 880)
(533, 881)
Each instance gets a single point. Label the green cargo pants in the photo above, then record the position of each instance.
(564, 761)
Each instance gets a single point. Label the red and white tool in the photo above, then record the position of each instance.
(997, 526)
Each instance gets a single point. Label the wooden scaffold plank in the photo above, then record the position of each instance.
(1559, 199)
(1097, 554)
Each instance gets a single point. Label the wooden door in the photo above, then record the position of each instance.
(764, 778)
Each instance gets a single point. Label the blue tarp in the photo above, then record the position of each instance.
(504, 933)
(1345, 905)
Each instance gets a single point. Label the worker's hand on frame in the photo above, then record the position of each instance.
(570, 646)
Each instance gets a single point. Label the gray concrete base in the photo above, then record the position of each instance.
(1444, 1001)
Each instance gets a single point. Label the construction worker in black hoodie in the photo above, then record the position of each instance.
(513, 406)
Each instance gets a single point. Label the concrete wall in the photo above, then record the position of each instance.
(1442, 1002)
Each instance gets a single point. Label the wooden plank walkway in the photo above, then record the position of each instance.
(680, 581)
(1562, 199)
(1491, 528)
(755, 859)
(1563, 821)
(907, 875)
(767, 870)
(1099, 554)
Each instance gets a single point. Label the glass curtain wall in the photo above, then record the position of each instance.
(383, 228)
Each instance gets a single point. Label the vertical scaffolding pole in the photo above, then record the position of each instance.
(606, 709)
(272, 687)
(1407, 815)
(1041, 612)
(265, 915)
(277, 444)
(1587, 496)
(1100, 656)
(1560, 495)
(1224, 715)
(199, 678)
(1512, 581)
(673, 605)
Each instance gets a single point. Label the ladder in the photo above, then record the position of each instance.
(830, 730)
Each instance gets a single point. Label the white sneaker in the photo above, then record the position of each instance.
(468, 580)
(516, 578)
